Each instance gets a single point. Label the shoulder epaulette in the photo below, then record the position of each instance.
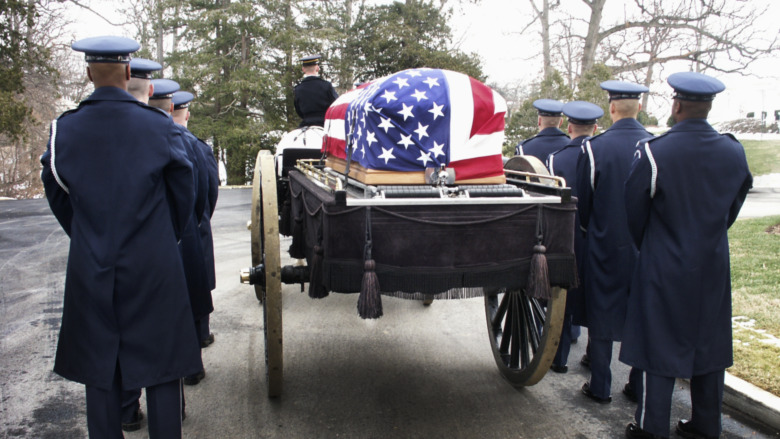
(731, 135)
(65, 113)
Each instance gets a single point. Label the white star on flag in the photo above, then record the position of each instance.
(389, 96)
(387, 154)
(419, 95)
(425, 157)
(370, 138)
(413, 73)
(386, 124)
(401, 82)
(438, 149)
(406, 111)
(431, 81)
(436, 110)
(422, 130)
(405, 141)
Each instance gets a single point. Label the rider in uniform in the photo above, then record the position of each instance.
(683, 192)
(583, 117)
(610, 258)
(313, 95)
(118, 179)
(550, 137)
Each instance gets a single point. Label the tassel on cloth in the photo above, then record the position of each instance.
(538, 285)
(284, 218)
(298, 246)
(316, 288)
(538, 277)
(370, 300)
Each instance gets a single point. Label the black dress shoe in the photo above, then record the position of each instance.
(585, 361)
(559, 369)
(634, 432)
(135, 423)
(194, 379)
(587, 392)
(207, 341)
(686, 430)
(628, 390)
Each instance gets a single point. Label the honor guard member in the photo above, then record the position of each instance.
(601, 173)
(191, 247)
(684, 191)
(140, 86)
(140, 83)
(313, 95)
(118, 179)
(583, 118)
(181, 116)
(550, 137)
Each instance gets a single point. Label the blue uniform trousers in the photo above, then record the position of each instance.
(600, 355)
(564, 346)
(202, 325)
(655, 403)
(163, 402)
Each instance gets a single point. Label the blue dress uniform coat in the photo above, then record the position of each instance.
(313, 96)
(684, 191)
(207, 239)
(601, 174)
(563, 163)
(548, 141)
(129, 197)
(191, 246)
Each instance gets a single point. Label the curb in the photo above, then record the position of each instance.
(757, 403)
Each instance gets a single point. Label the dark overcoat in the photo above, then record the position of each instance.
(601, 174)
(543, 144)
(191, 246)
(684, 191)
(313, 96)
(129, 196)
(563, 163)
(207, 239)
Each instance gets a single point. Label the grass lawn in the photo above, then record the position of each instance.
(763, 156)
(755, 280)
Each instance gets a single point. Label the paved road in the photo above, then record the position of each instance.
(415, 373)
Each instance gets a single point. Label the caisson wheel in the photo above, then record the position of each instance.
(524, 333)
(265, 250)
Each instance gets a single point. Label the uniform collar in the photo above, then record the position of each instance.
(626, 123)
(692, 125)
(110, 94)
(551, 131)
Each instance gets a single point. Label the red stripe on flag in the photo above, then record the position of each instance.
(478, 167)
(484, 109)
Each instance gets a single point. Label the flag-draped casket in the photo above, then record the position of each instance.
(395, 127)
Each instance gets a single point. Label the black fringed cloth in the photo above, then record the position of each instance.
(429, 250)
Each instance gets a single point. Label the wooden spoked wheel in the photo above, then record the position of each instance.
(524, 333)
(265, 250)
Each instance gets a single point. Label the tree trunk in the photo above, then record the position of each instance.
(592, 39)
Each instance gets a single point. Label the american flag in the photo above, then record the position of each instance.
(420, 118)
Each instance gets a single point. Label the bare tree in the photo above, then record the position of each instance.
(711, 34)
